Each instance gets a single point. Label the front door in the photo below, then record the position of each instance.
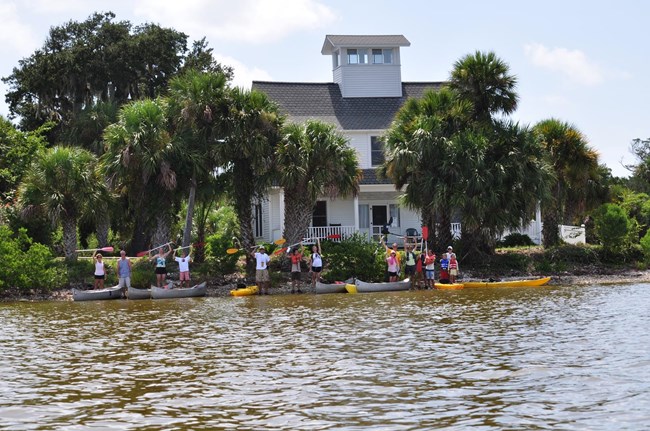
(379, 219)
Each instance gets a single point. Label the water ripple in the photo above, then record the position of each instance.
(552, 358)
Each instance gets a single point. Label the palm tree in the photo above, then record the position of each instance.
(576, 169)
(196, 106)
(62, 182)
(252, 126)
(313, 160)
(138, 161)
(416, 147)
(485, 80)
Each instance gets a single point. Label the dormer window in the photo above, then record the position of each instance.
(357, 56)
(382, 56)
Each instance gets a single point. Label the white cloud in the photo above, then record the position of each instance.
(16, 37)
(574, 64)
(251, 21)
(244, 75)
(55, 6)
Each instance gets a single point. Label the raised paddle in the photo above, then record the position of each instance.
(144, 253)
(282, 250)
(425, 237)
(105, 249)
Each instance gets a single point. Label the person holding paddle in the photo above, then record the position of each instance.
(262, 270)
(315, 263)
(183, 267)
(410, 264)
(161, 264)
(100, 271)
(296, 270)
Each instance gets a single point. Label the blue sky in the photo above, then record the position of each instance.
(581, 62)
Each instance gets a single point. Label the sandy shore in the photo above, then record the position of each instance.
(221, 289)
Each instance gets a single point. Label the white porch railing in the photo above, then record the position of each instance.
(324, 232)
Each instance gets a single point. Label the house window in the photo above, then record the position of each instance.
(364, 216)
(382, 56)
(393, 211)
(357, 56)
(376, 151)
(353, 56)
(336, 59)
(319, 218)
(257, 220)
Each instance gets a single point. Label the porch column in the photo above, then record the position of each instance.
(356, 213)
(281, 213)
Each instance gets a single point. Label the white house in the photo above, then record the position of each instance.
(366, 93)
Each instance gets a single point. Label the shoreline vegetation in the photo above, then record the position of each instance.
(572, 274)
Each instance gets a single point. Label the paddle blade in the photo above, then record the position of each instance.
(334, 236)
(142, 253)
(280, 250)
(232, 250)
(279, 241)
(425, 232)
(107, 249)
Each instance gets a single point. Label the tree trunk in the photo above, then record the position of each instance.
(163, 229)
(243, 198)
(550, 234)
(103, 226)
(70, 238)
(298, 212)
(187, 232)
(139, 238)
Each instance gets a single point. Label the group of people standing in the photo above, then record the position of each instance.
(124, 267)
(420, 266)
(315, 264)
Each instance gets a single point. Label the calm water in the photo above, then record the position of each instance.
(566, 358)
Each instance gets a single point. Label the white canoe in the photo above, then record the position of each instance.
(114, 292)
(363, 287)
(162, 293)
(135, 293)
(330, 287)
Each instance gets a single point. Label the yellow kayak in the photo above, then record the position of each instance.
(509, 283)
(245, 291)
(449, 286)
(351, 288)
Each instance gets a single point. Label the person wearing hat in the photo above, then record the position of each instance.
(262, 270)
(393, 266)
(450, 251)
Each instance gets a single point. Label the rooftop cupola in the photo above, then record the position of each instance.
(366, 66)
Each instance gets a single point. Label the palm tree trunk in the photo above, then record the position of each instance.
(163, 229)
(187, 232)
(550, 234)
(103, 226)
(70, 238)
(298, 212)
(244, 192)
(139, 239)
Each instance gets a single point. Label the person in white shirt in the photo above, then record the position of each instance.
(315, 263)
(183, 267)
(262, 270)
(100, 272)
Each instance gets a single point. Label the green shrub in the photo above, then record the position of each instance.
(353, 257)
(573, 254)
(25, 265)
(142, 273)
(645, 246)
(217, 259)
(612, 226)
(516, 240)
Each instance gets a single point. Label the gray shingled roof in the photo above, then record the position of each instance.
(370, 177)
(371, 41)
(301, 101)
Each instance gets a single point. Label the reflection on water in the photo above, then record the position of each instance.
(541, 358)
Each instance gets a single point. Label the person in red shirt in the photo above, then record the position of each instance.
(296, 269)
